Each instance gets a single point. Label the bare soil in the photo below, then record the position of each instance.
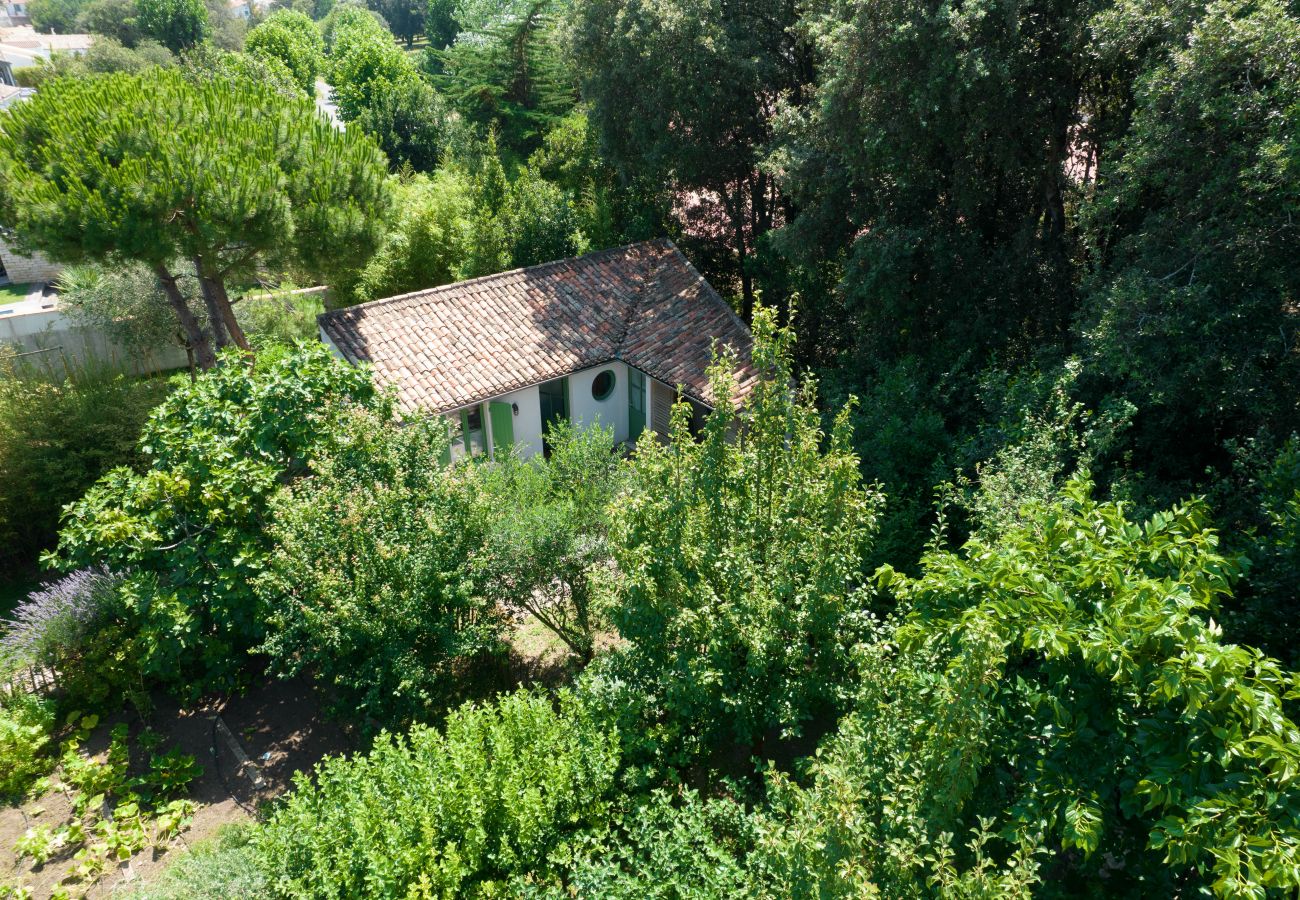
(279, 730)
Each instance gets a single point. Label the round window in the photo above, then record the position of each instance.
(603, 385)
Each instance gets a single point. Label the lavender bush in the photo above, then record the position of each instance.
(53, 620)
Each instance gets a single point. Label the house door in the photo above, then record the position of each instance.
(635, 404)
(554, 396)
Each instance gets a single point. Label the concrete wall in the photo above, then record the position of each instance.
(26, 269)
(584, 409)
(54, 343)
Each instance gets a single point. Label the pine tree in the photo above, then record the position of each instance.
(155, 168)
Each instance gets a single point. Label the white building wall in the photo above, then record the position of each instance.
(585, 410)
(527, 421)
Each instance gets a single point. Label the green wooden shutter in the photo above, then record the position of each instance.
(503, 426)
(635, 403)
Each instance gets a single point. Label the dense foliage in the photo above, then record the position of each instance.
(549, 529)
(58, 434)
(176, 24)
(371, 586)
(293, 39)
(964, 636)
(496, 794)
(741, 565)
(190, 528)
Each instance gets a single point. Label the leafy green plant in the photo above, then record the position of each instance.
(549, 528)
(741, 558)
(496, 793)
(371, 585)
(169, 774)
(26, 724)
(57, 436)
(191, 527)
(292, 38)
(1137, 734)
(39, 842)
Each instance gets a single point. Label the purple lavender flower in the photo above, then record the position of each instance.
(54, 619)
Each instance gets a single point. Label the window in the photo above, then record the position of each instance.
(603, 385)
(475, 443)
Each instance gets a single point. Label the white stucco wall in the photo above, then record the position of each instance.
(527, 422)
(584, 409)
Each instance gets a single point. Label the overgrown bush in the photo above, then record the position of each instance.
(57, 436)
(741, 557)
(499, 793)
(1111, 717)
(372, 585)
(191, 529)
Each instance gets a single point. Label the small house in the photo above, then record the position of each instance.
(614, 337)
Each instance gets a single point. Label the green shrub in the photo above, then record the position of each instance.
(292, 38)
(372, 586)
(281, 317)
(439, 814)
(26, 724)
(741, 558)
(1109, 716)
(57, 436)
(190, 530)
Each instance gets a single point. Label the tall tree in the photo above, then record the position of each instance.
(931, 165)
(1195, 230)
(506, 70)
(440, 23)
(698, 125)
(154, 167)
(364, 61)
(176, 24)
(293, 39)
(405, 18)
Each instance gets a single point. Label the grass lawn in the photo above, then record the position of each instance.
(12, 293)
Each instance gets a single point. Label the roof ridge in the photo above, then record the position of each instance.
(634, 308)
(555, 263)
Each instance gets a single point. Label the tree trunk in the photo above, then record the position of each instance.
(228, 313)
(746, 281)
(218, 303)
(200, 346)
(215, 318)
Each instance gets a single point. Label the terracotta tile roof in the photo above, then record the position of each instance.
(462, 343)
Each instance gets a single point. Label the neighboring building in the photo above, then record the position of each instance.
(13, 13)
(9, 94)
(613, 337)
(24, 46)
(25, 269)
(246, 9)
